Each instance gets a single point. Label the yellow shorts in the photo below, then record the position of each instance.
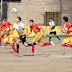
(10, 40)
(38, 38)
(68, 40)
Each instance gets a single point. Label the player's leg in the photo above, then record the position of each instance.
(17, 44)
(5, 40)
(57, 37)
(11, 41)
(40, 42)
(66, 42)
(0, 41)
(50, 37)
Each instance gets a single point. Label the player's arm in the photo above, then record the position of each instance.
(50, 26)
(29, 33)
(43, 32)
(11, 32)
(26, 31)
(65, 31)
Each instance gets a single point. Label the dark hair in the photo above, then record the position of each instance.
(31, 20)
(4, 17)
(66, 19)
(19, 18)
(4, 20)
(50, 18)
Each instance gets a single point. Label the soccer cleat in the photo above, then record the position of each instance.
(60, 41)
(0, 44)
(52, 43)
(31, 54)
(15, 53)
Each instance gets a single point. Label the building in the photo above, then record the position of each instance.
(38, 10)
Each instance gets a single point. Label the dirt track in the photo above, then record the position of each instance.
(46, 59)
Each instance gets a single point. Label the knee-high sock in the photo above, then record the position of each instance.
(32, 48)
(69, 45)
(50, 39)
(38, 44)
(13, 46)
(0, 40)
(44, 44)
(17, 48)
(7, 43)
(58, 38)
(30, 44)
(48, 43)
(15, 40)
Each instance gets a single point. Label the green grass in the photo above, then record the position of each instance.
(60, 36)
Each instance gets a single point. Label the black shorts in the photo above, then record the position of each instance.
(23, 38)
(53, 32)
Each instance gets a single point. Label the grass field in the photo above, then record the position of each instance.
(46, 59)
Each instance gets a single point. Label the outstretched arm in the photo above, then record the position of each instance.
(43, 32)
(62, 30)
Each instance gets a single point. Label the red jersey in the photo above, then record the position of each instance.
(68, 28)
(36, 28)
(8, 23)
(4, 28)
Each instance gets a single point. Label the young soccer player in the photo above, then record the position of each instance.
(6, 33)
(20, 27)
(52, 30)
(38, 36)
(68, 30)
(4, 18)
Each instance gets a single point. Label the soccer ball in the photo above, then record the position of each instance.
(14, 10)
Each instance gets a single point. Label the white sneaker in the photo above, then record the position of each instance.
(31, 54)
(52, 43)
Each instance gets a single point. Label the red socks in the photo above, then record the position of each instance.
(48, 43)
(44, 44)
(0, 40)
(38, 44)
(15, 40)
(32, 48)
(13, 46)
(7, 43)
(69, 45)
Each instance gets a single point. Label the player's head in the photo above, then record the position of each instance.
(18, 19)
(50, 19)
(4, 18)
(65, 19)
(4, 22)
(31, 22)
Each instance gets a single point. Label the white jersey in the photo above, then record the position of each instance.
(52, 23)
(20, 28)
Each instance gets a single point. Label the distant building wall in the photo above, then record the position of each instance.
(35, 9)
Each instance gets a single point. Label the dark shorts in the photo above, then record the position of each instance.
(23, 38)
(53, 32)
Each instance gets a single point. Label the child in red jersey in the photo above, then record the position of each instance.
(68, 30)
